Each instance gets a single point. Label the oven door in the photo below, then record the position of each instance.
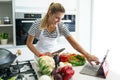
(22, 27)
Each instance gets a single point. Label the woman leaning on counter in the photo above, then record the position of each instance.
(48, 29)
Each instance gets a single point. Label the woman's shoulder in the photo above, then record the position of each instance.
(62, 26)
(63, 29)
(36, 23)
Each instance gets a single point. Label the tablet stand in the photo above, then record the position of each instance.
(103, 70)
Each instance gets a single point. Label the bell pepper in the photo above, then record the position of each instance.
(76, 60)
(67, 72)
(63, 58)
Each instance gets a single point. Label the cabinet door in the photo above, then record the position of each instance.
(31, 5)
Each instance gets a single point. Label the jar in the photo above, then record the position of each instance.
(6, 20)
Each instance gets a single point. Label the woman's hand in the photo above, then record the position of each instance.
(92, 58)
(48, 54)
(45, 54)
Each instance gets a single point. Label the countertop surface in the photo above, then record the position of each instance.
(77, 76)
(111, 75)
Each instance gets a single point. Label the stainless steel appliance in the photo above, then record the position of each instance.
(6, 20)
(23, 23)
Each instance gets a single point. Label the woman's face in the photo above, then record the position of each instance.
(54, 19)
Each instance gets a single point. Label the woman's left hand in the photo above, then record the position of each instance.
(92, 58)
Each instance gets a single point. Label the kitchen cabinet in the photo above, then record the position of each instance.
(38, 6)
(6, 10)
(41, 6)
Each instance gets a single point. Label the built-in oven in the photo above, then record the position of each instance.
(23, 21)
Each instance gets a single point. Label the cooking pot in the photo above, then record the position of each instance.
(6, 58)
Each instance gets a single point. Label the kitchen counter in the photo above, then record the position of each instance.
(77, 76)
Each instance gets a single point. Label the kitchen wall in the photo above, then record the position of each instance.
(105, 31)
(84, 24)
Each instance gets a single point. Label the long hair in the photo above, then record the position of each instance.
(54, 8)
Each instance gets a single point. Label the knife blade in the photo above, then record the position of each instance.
(58, 51)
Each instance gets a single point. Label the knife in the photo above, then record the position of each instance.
(58, 51)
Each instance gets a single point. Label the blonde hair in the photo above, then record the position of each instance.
(54, 8)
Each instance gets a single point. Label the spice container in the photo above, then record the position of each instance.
(6, 20)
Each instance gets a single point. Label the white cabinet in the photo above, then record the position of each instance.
(41, 6)
(6, 10)
(35, 6)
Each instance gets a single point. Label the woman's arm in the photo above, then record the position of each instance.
(76, 46)
(30, 45)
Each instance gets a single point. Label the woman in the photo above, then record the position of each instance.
(48, 30)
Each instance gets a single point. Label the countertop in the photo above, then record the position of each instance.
(77, 76)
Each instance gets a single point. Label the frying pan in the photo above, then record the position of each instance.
(6, 58)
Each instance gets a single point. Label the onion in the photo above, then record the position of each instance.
(58, 77)
(55, 71)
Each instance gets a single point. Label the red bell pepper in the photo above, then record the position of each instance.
(63, 58)
(67, 72)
